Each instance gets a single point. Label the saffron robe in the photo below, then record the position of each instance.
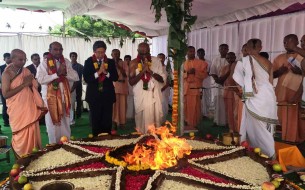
(289, 113)
(121, 93)
(25, 110)
(192, 102)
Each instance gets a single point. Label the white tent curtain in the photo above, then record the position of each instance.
(226, 34)
(271, 31)
(40, 44)
(159, 45)
(261, 29)
(199, 39)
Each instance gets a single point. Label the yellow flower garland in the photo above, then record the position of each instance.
(140, 66)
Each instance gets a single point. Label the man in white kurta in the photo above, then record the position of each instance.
(217, 64)
(165, 89)
(147, 98)
(62, 128)
(260, 111)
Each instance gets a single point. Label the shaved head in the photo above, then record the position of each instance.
(18, 58)
(292, 37)
(16, 53)
(143, 49)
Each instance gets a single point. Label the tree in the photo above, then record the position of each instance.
(85, 27)
(178, 13)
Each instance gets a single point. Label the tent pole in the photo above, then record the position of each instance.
(63, 24)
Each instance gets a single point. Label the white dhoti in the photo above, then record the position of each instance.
(259, 133)
(220, 112)
(55, 132)
(206, 98)
(72, 110)
(145, 117)
(148, 105)
(217, 93)
(130, 113)
(260, 111)
(165, 102)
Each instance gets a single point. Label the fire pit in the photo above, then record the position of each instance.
(159, 150)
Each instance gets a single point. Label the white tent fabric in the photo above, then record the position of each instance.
(40, 44)
(137, 14)
(271, 31)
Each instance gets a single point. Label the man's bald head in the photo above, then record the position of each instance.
(292, 37)
(16, 53)
(290, 40)
(143, 49)
(18, 58)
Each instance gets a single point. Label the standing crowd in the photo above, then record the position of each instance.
(240, 93)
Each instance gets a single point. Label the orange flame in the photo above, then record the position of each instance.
(158, 153)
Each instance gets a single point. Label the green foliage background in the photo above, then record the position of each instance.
(85, 27)
(179, 17)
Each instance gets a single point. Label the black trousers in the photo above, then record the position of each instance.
(4, 111)
(101, 116)
(79, 103)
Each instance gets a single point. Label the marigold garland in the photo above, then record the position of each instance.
(52, 69)
(117, 162)
(114, 161)
(175, 99)
(147, 76)
(102, 76)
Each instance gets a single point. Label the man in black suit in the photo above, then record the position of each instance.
(7, 59)
(35, 58)
(99, 74)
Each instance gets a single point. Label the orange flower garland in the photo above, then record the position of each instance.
(147, 76)
(51, 63)
(175, 99)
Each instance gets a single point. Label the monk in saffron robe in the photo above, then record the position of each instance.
(229, 98)
(289, 91)
(238, 70)
(195, 71)
(25, 105)
(121, 90)
(146, 78)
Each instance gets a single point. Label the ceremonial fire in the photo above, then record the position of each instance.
(156, 153)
